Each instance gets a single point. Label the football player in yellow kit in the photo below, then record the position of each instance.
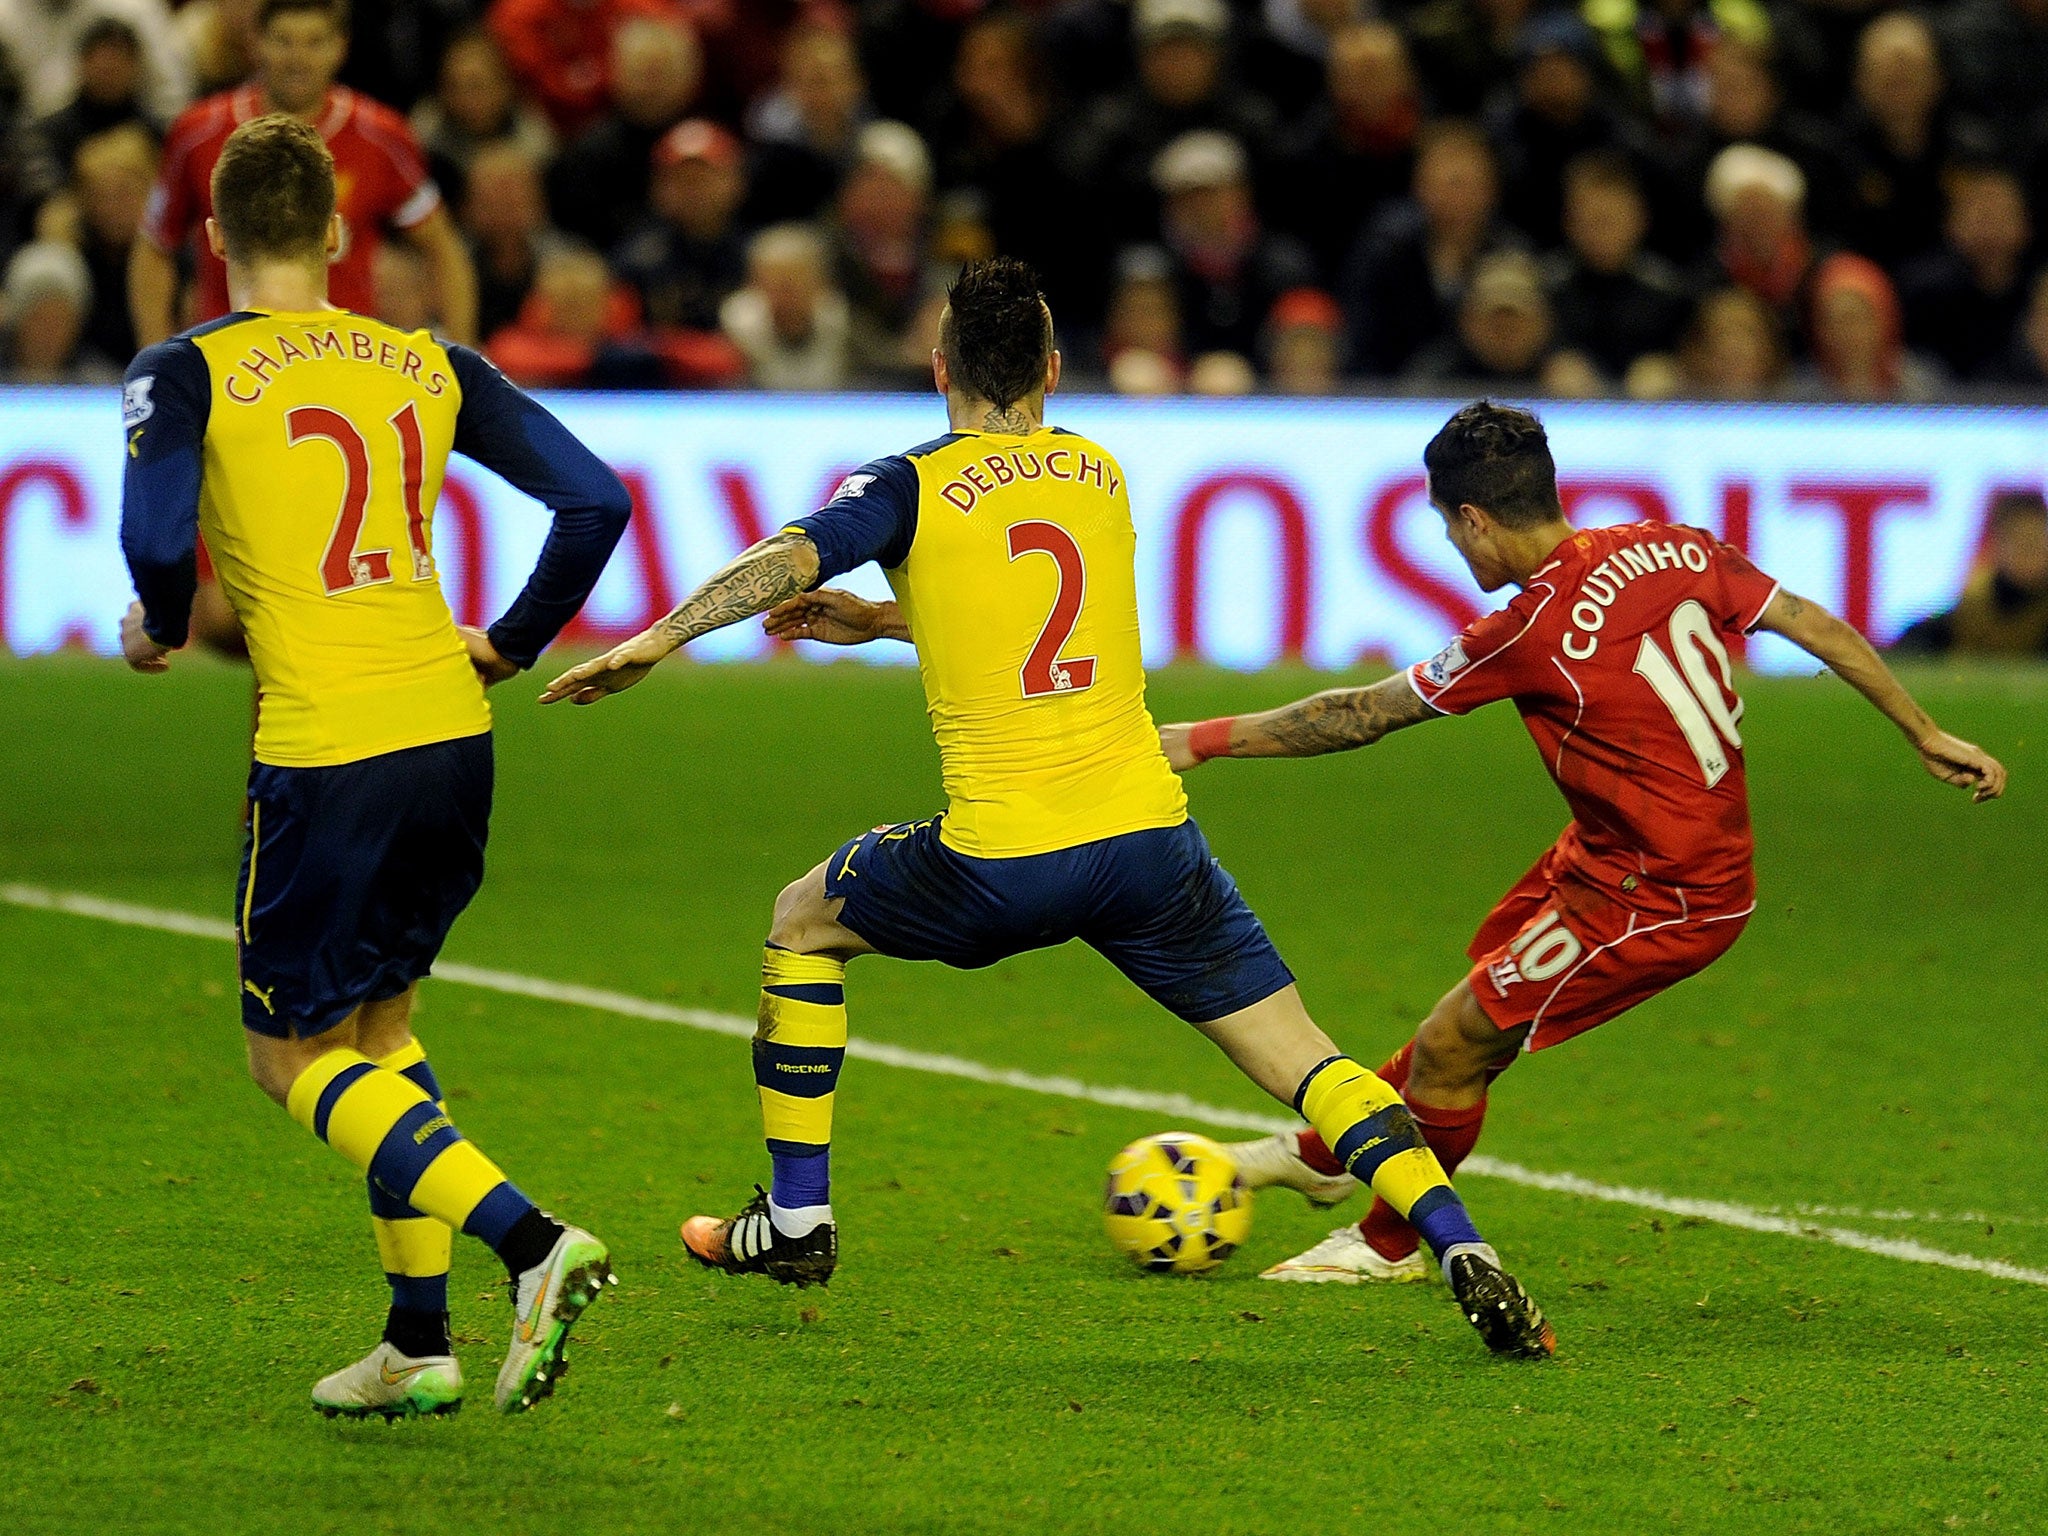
(308, 445)
(1010, 547)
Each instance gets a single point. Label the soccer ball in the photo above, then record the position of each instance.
(1175, 1204)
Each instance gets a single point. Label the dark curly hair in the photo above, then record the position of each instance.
(997, 334)
(1497, 458)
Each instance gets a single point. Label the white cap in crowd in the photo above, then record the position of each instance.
(1152, 18)
(1198, 159)
(1740, 167)
(897, 149)
(40, 269)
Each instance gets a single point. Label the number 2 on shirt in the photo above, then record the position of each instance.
(1043, 671)
(343, 567)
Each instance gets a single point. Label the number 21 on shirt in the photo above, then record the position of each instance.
(343, 567)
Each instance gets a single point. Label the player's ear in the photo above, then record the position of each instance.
(216, 242)
(1052, 371)
(334, 236)
(942, 376)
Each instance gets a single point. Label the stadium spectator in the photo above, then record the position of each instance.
(1614, 302)
(1662, 50)
(996, 145)
(219, 36)
(1996, 52)
(881, 252)
(505, 216)
(1182, 85)
(1226, 269)
(562, 51)
(1859, 350)
(395, 46)
(111, 177)
(576, 330)
(744, 43)
(2024, 363)
(597, 187)
(43, 309)
(404, 288)
(805, 132)
(476, 103)
(1963, 301)
(1465, 50)
(1899, 139)
(1554, 115)
(687, 255)
(2004, 607)
(1504, 334)
(792, 326)
(1142, 348)
(1088, 47)
(907, 49)
(1304, 343)
(1285, 56)
(109, 94)
(43, 37)
(1221, 375)
(1734, 350)
(1758, 199)
(1353, 151)
(1745, 104)
(1407, 273)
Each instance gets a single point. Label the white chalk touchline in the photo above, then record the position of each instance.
(1727, 1213)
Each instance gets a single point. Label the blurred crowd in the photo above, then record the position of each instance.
(1742, 199)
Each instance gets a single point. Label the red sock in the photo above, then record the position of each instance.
(1450, 1133)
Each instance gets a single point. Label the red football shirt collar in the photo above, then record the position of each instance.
(334, 111)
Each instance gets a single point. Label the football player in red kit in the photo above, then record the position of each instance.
(1616, 654)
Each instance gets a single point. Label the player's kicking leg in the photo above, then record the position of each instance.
(1443, 1074)
(1374, 1138)
(787, 1232)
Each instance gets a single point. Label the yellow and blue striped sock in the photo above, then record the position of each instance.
(1370, 1131)
(384, 1123)
(414, 1247)
(798, 1051)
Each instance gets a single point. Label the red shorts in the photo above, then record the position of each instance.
(1563, 954)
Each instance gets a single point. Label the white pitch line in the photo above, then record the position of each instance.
(1727, 1213)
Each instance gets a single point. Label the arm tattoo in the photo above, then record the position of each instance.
(1005, 418)
(773, 571)
(1335, 721)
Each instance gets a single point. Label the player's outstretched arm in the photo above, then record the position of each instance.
(773, 571)
(1850, 657)
(1335, 720)
(835, 618)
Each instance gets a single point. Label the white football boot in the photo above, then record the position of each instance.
(1277, 1160)
(391, 1384)
(545, 1305)
(1346, 1258)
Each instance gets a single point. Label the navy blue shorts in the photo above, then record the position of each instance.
(352, 877)
(1156, 904)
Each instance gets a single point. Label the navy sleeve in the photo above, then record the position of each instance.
(514, 436)
(165, 397)
(872, 516)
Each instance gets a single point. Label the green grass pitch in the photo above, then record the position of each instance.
(181, 1261)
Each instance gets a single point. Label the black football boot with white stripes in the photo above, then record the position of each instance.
(749, 1244)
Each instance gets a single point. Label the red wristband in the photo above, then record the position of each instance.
(1211, 738)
